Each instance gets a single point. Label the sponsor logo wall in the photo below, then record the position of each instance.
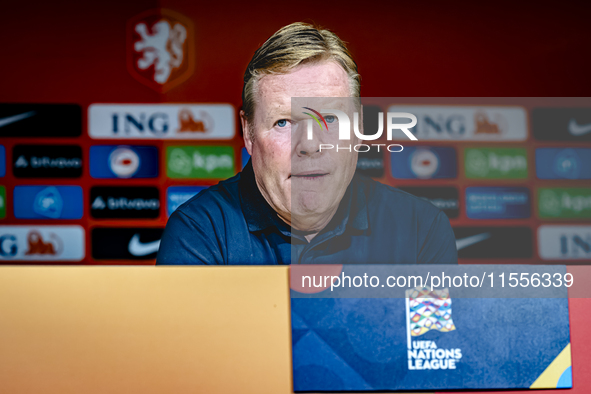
(101, 192)
(522, 175)
(94, 181)
(513, 190)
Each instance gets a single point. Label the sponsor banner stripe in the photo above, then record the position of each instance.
(42, 243)
(162, 121)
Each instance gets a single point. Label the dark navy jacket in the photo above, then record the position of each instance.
(231, 223)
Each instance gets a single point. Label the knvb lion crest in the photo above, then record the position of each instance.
(160, 49)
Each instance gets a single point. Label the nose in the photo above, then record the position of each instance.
(305, 146)
(305, 152)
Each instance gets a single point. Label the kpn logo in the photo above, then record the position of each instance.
(428, 310)
(192, 161)
(336, 119)
(564, 203)
(495, 163)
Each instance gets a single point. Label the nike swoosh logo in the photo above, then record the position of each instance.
(16, 118)
(575, 129)
(137, 248)
(468, 241)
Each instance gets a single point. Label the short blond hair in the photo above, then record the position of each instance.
(289, 47)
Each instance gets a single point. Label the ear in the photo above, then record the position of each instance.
(246, 132)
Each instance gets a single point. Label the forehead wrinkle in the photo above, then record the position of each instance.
(279, 112)
(272, 92)
(278, 90)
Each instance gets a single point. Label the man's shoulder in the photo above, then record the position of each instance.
(414, 228)
(386, 198)
(223, 197)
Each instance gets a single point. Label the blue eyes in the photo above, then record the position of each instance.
(281, 123)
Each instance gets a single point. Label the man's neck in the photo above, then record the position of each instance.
(308, 235)
(310, 226)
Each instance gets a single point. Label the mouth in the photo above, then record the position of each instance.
(309, 175)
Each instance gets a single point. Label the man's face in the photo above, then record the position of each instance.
(301, 183)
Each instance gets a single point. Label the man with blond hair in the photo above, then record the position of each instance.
(294, 202)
